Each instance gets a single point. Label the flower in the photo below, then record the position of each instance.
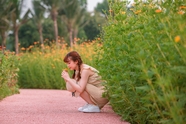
(30, 47)
(177, 39)
(123, 12)
(23, 49)
(182, 7)
(158, 11)
(181, 12)
(137, 12)
(42, 45)
(66, 69)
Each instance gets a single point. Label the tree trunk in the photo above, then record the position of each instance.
(71, 37)
(56, 30)
(75, 35)
(16, 40)
(54, 15)
(70, 32)
(41, 35)
(3, 35)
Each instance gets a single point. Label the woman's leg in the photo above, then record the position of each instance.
(84, 95)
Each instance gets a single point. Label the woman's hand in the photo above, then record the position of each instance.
(65, 75)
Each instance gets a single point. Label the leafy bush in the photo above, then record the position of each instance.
(143, 59)
(8, 74)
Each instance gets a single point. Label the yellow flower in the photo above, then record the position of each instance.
(123, 12)
(66, 69)
(158, 11)
(137, 12)
(23, 49)
(30, 46)
(182, 7)
(177, 39)
(42, 45)
(131, 9)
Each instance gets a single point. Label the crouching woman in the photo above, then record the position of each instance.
(85, 83)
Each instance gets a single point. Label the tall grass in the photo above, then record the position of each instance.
(42, 68)
(143, 59)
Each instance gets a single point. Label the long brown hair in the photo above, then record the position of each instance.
(74, 56)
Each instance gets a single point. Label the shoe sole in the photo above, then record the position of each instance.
(90, 111)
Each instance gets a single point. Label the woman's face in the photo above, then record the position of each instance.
(72, 65)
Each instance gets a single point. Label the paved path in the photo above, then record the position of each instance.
(34, 106)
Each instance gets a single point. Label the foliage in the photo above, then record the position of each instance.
(102, 7)
(38, 17)
(17, 20)
(28, 34)
(73, 14)
(143, 59)
(94, 27)
(5, 12)
(43, 69)
(80, 18)
(8, 74)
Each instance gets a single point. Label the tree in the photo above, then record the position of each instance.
(53, 7)
(38, 17)
(103, 7)
(93, 28)
(28, 34)
(5, 11)
(17, 20)
(73, 15)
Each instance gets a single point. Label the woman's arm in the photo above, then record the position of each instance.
(69, 87)
(80, 85)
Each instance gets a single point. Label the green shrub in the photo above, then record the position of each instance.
(8, 74)
(143, 59)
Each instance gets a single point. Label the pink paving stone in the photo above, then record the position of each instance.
(34, 106)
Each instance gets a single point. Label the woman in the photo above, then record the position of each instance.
(85, 83)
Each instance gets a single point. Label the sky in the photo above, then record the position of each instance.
(91, 4)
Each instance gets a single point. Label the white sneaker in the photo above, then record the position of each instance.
(83, 107)
(91, 108)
